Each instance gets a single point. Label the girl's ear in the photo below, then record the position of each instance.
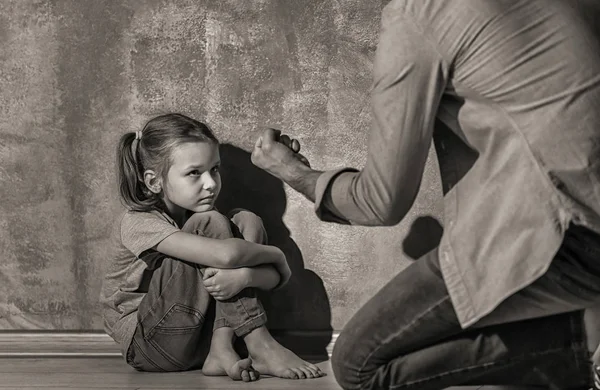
(153, 182)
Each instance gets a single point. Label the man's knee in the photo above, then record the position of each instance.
(209, 224)
(250, 225)
(343, 362)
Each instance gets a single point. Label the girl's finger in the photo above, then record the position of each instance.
(209, 273)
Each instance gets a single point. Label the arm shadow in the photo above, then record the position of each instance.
(299, 314)
(455, 158)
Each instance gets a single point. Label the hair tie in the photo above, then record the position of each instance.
(134, 145)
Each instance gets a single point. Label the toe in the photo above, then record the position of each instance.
(313, 367)
(300, 373)
(307, 372)
(245, 364)
(290, 374)
(313, 373)
(253, 375)
(245, 376)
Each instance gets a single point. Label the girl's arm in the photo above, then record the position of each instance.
(225, 283)
(264, 277)
(226, 253)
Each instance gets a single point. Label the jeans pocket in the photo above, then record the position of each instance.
(179, 319)
(177, 335)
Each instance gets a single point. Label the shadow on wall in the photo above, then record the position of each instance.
(299, 314)
(455, 159)
(424, 235)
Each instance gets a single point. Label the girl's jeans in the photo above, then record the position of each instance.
(177, 316)
(408, 336)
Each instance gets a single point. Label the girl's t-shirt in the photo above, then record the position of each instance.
(135, 235)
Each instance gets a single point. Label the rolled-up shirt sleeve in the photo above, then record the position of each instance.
(410, 77)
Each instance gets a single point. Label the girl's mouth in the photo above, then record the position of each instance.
(207, 199)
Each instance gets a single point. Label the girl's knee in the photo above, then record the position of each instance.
(210, 224)
(250, 225)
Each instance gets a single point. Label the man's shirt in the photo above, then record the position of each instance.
(518, 83)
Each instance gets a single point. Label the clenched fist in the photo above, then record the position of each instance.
(279, 155)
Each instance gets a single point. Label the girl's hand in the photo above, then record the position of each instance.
(223, 284)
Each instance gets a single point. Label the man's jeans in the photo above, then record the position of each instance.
(177, 316)
(408, 336)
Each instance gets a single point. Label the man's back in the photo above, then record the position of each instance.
(523, 91)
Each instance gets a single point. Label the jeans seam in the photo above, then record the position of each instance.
(148, 359)
(399, 332)
(168, 313)
(156, 301)
(578, 328)
(165, 355)
(241, 303)
(512, 361)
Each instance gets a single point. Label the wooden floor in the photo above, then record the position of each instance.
(113, 373)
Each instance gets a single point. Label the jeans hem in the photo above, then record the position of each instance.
(250, 325)
(221, 323)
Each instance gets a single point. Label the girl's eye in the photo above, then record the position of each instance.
(215, 169)
(194, 173)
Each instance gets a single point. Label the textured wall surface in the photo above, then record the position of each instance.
(76, 74)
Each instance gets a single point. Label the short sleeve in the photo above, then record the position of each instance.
(141, 231)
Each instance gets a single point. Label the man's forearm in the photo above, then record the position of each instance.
(304, 180)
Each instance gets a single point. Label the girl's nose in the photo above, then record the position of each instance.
(209, 182)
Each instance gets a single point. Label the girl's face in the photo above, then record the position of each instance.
(193, 181)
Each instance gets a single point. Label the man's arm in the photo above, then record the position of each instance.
(409, 79)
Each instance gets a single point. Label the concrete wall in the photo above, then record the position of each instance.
(76, 74)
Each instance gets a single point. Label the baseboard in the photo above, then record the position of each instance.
(97, 344)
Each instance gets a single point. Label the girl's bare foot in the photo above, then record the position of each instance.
(223, 360)
(271, 358)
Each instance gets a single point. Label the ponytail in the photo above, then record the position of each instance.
(132, 188)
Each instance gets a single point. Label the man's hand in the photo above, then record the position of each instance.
(279, 155)
(223, 284)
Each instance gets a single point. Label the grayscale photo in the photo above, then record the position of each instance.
(308, 194)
